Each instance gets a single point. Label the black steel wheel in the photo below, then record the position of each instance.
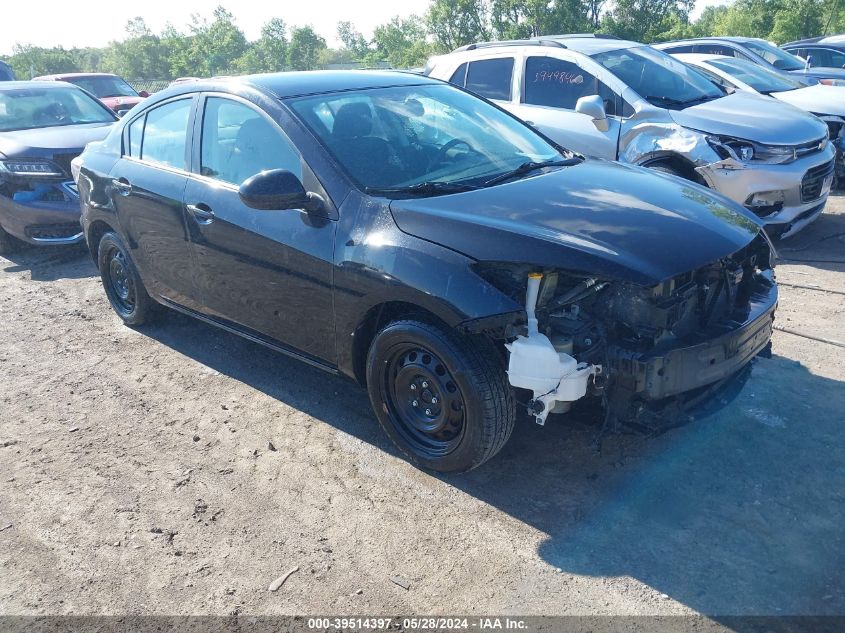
(442, 397)
(121, 281)
(121, 286)
(425, 400)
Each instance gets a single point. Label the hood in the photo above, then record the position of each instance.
(44, 142)
(121, 103)
(821, 72)
(752, 117)
(601, 218)
(819, 99)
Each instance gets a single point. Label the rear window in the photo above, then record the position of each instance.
(491, 78)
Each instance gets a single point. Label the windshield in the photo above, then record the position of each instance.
(759, 77)
(436, 137)
(776, 57)
(104, 86)
(659, 78)
(29, 108)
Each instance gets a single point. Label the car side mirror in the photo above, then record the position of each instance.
(144, 94)
(277, 189)
(593, 107)
(779, 64)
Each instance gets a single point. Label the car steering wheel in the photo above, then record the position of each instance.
(441, 153)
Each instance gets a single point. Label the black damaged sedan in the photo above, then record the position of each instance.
(400, 231)
(43, 127)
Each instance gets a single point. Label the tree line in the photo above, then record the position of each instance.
(217, 46)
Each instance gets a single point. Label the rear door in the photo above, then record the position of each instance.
(263, 272)
(550, 89)
(148, 184)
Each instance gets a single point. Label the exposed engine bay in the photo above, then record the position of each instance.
(638, 348)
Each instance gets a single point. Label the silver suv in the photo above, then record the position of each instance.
(626, 101)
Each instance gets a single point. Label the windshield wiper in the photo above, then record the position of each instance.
(427, 188)
(527, 168)
(680, 103)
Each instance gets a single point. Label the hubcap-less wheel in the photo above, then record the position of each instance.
(120, 281)
(425, 401)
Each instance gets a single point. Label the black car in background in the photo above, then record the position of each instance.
(6, 73)
(403, 232)
(43, 127)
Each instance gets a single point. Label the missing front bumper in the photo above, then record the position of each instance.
(688, 367)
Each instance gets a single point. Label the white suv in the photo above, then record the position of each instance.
(626, 101)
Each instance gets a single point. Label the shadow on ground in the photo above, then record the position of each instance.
(738, 513)
(821, 244)
(51, 263)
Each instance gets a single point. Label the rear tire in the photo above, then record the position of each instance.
(441, 397)
(122, 283)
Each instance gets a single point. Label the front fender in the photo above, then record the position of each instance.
(377, 264)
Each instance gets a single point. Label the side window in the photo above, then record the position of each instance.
(238, 142)
(837, 59)
(715, 49)
(136, 133)
(491, 78)
(166, 134)
(671, 50)
(716, 79)
(557, 83)
(459, 77)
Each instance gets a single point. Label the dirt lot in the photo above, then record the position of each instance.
(136, 474)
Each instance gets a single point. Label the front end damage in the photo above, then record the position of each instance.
(39, 202)
(786, 186)
(645, 352)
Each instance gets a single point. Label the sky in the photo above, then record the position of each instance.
(72, 23)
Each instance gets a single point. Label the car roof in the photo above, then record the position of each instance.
(733, 40)
(61, 76)
(592, 45)
(41, 85)
(699, 57)
(299, 83)
(586, 43)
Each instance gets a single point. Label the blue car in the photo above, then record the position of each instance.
(760, 52)
(43, 127)
(6, 73)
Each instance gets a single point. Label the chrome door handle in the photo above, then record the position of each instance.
(202, 214)
(122, 186)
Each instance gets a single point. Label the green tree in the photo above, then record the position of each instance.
(402, 42)
(645, 20)
(305, 48)
(353, 41)
(215, 45)
(31, 61)
(141, 56)
(454, 23)
(269, 53)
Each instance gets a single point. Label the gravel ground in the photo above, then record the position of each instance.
(177, 469)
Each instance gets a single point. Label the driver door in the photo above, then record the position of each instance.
(262, 272)
(550, 89)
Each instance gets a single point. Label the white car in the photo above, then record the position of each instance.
(826, 102)
(626, 101)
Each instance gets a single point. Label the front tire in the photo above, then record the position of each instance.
(122, 283)
(441, 397)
